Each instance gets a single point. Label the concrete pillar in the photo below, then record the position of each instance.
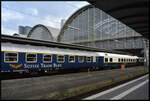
(146, 52)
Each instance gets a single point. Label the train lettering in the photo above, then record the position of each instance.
(31, 65)
(57, 65)
(54, 65)
(45, 65)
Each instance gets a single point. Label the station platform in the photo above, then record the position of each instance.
(65, 85)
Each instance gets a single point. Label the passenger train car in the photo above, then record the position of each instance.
(28, 58)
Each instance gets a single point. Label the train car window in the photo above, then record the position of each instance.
(47, 58)
(94, 59)
(124, 60)
(81, 59)
(106, 59)
(71, 58)
(127, 60)
(119, 60)
(88, 59)
(97, 59)
(111, 60)
(60, 58)
(11, 57)
(30, 57)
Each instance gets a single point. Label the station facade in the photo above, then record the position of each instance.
(92, 27)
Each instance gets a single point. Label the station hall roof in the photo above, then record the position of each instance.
(53, 32)
(71, 18)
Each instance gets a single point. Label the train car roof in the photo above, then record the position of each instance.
(115, 55)
(20, 40)
(13, 47)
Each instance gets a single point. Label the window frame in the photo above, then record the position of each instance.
(127, 60)
(80, 61)
(97, 59)
(69, 59)
(47, 61)
(124, 59)
(87, 59)
(31, 61)
(111, 59)
(10, 61)
(107, 59)
(63, 59)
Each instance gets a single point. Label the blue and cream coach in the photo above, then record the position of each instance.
(25, 57)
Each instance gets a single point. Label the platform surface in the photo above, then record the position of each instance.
(42, 87)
